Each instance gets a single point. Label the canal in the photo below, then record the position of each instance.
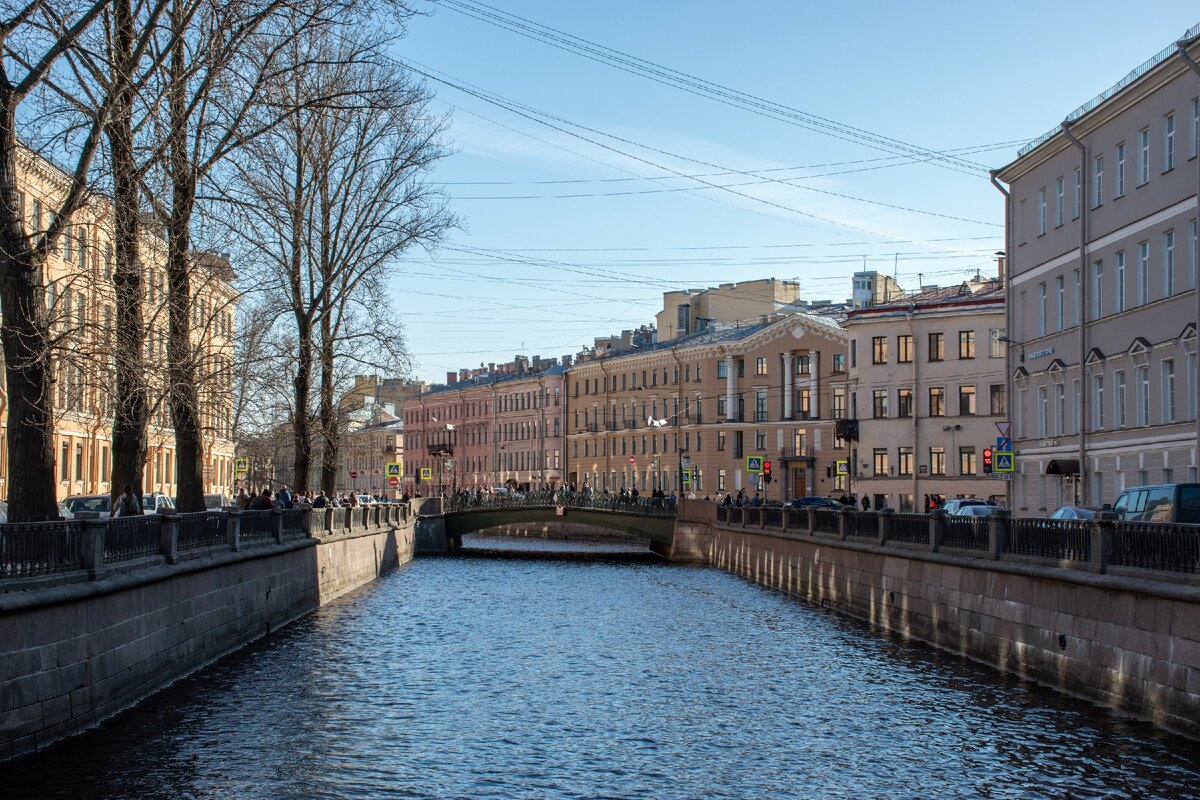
(600, 677)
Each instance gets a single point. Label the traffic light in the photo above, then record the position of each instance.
(987, 460)
(766, 472)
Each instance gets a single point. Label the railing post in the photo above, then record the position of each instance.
(168, 533)
(233, 530)
(811, 524)
(1101, 531)
(997, 524)
(885, 525)
(783, 517)
(277, 524)
(937, 526)
(306, 511)
(92, 554)
(843, 523)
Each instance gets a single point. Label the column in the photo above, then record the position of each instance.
(730, 388)
(814, 384)
(787, 386)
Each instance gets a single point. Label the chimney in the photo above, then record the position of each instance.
(451, 377)
(463, 374)
(566, 361)
(1002, 266)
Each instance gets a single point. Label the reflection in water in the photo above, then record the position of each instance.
(530, 678)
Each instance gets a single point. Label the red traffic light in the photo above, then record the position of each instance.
(766, 468)
(987, 459)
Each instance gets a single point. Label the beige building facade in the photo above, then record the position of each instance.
(927, 385)
(78, 277)
(693, 310)
(1102, 231)
(704, 404)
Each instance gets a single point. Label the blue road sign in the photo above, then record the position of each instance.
(1004, 443)
(754, 463)
(1004, 462)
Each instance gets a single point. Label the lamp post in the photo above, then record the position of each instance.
(685, 462)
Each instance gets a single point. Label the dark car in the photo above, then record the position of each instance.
(816, 502)
(1163, 502)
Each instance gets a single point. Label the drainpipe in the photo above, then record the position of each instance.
(495, 435)
(1084, 204)
(1195, 67)
(1009, 252)
(913, 411)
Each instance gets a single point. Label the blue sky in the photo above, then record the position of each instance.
(576, 212)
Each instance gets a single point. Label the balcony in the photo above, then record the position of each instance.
(591, 427)
(630, 424)
(610, 426)
(444, 449)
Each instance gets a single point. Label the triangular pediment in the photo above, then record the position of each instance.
(1140, 345)
(1095, 356)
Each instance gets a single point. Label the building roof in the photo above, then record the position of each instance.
(1158, 58)
(492, 379)
(966, 293)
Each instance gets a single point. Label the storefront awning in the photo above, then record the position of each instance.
(1063, 466)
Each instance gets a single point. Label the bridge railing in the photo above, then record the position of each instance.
(1093, 545)
(625, 504)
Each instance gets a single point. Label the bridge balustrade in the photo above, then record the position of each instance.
(32, 549)
(1157, 546)
(201, 530)
(863, 524)
(646, 506)
(827, 520)
(1058, 539)
(965, 533)
(257, 527)
(909, 528)
(128, 538)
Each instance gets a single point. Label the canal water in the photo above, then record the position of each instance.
(600, 678)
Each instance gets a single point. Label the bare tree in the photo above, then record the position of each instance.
(34, 36)
(330, 200)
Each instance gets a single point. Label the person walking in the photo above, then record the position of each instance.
(262, 502)
(127, 503)
(866, 503)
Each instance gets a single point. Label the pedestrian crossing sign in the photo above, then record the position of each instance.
(426, 473)
(393, 469)
(754, 463)
(243, 464)
(1004, 461)
(843, 467)
(686, 476)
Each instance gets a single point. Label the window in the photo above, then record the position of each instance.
(1168, 391)
(839, 402)
(1194, 147)
(937, 460)
(760, 405)
(904, 348)
(722, 369)
(966, 401)
(966, 460)
(1168, 259)
(1169, 142)
(64, 462)
(720, 440)
(722, 405)
(1021, 222)
(1060, 304)
(741, 366)
(1041, 412)
(1097, 181)
(760, 366)
(1097, 289)
(937, 401)
(1143, 273)
(881, 460)
(854, 352)
(936, 347)
(996, 348)
(1120, 170)
(1121, 407)
(839, 363)
(803, 365)
(996, 400)
(1060, 189)
(760, 440)
(904, 402)
(879, 354)
(1191, 384)
(1078, 199)
(1060, 409)
(1191, 273)
(1041, 327)
(1041, 210)
(966, 344)
(1142, 387)
(721, 480)
(879, 403)
(1120, 278)
(905, 460)
(1075, 304)
(1143, 156)
(1097, 402)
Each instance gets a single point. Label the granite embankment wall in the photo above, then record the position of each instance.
(1122, 636)
(77, 646)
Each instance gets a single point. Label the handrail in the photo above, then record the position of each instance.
(625, 504)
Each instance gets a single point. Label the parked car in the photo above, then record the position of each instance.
(366, 500)
(98, 503)
(819, 502)
(1075, 512)
(155, 502)
(1163, 502)
(976, 510)
(215, 502)
(953, 506)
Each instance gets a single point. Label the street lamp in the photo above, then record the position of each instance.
(1020, 345)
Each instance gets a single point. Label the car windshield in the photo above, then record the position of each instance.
(214, 500)
(77, 504)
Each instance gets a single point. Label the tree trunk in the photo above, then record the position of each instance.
(183, 397)
(329, 419)
(131, 403)
(25, 338)
(301, 439)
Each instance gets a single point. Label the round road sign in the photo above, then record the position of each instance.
(393, 482)
(632, 460)
(353, 474)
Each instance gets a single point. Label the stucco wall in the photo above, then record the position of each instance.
(75, 654)
(1128, 643)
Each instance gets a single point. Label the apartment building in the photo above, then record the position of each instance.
(78, 277)
(686, 414)
(927, 384)
(1101, 240)
(692, 310)
(373, 439)
(501, 427)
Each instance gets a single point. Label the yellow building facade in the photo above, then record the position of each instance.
(80, 301)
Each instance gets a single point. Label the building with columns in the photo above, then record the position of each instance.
(926, 384)
(1102, 215)
(700, 405)
(693, 310)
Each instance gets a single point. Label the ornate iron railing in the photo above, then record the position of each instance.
(1059, 539)
(31, 549)
(1157, 546)
(625, 504)
(200, 530)
(965, 533)
(127, 538)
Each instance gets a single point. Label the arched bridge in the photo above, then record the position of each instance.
(441, 523)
